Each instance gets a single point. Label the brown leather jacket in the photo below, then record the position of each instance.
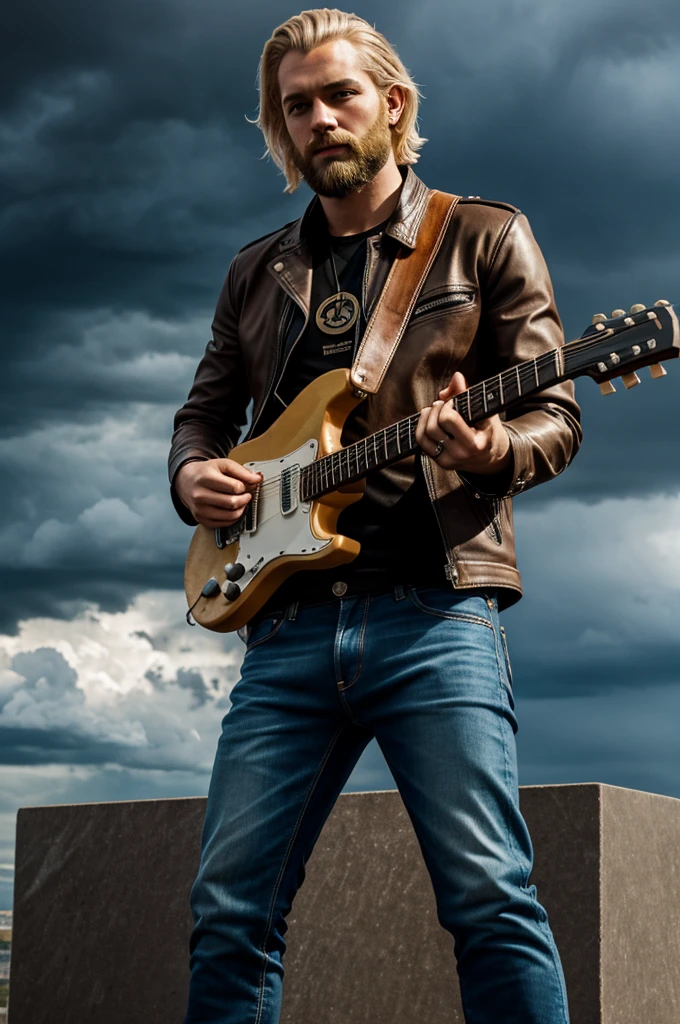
(486, 305)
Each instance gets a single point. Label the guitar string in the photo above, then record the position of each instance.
(475, 393)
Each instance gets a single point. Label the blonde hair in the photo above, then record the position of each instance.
(378, 59)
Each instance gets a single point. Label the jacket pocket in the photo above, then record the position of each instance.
(487, 508)
(443, 301)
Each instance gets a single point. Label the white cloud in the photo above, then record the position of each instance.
(138, 687)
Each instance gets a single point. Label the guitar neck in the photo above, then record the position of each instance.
(398, 440)
(614, 347)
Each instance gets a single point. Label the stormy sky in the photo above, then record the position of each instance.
(129, 177)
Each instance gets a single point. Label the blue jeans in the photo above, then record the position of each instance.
(425, 671)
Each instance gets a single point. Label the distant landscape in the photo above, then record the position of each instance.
(5, 947)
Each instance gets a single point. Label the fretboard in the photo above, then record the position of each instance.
(398, 440)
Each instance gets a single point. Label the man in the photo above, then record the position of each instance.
(403, 643)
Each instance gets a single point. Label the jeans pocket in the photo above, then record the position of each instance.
(446, 604)
(261, 631)
(508, 666)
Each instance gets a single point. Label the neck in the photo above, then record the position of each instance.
(371, 205)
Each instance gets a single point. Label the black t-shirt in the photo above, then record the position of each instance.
(400, 539)
(319, 351)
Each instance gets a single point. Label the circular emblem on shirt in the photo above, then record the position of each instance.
(337, 313)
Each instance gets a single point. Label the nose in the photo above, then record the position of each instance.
(323, 119)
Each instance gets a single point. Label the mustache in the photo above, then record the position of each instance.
(330, 140)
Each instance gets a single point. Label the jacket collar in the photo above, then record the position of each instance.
(403, 225)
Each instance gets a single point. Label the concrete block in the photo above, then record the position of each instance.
(102, 922)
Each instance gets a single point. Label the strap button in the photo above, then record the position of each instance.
(278, 267)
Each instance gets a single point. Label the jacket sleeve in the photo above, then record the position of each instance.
(208, 424)
(521, 322)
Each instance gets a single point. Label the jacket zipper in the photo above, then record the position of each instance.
(450, 568)
(284, 324)
(451, 299)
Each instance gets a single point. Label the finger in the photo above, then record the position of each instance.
(217, 517)
(456, 386)
(218, 480)
(420, 425)
(453, 422)
(428, 431)
(207, 499)
(433, 428)
(218, 520)
(231, 468)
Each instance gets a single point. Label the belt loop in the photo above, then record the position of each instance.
(292, 610)
(399, 592)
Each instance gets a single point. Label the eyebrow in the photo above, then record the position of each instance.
(342, 83)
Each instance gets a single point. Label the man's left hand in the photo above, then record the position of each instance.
(483, 449)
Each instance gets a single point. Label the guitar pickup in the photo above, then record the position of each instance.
(250, 514)
(290, 489)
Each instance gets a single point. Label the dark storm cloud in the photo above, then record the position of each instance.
(130, 177)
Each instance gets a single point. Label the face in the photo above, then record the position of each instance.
(339, 125)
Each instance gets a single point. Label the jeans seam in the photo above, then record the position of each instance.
(360, 652)
(284, 865)
(337, 648)
(511, 840)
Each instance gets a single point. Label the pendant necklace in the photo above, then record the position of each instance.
(339, 312)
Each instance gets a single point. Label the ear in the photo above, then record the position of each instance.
(396, 101)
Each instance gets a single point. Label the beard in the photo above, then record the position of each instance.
(337, 176)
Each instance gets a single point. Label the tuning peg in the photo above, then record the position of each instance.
(598, 318)
(662, 302)
(618, 312)
(638, 307)
(630, 379)
(657, 370)
(607, 388)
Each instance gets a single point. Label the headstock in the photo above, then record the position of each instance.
(618, 345)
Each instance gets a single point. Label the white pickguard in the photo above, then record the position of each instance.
(278, 534)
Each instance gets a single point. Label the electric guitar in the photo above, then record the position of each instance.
(309, 477)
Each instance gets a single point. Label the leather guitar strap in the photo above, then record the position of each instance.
(399, 295)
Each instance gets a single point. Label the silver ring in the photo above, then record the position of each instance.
(438, 450)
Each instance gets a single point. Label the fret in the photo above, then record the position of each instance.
(356, 459)
(469, 407)
(500, 387)
(557, 363)
(538, 383)
(398, 444)
(385, 444)
(486, 408)
(366, 451)
(519, 382)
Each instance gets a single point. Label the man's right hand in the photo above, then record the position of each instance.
(216, 491)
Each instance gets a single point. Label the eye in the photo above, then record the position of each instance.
(294, 107)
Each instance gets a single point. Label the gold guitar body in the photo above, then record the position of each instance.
(305, 538)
